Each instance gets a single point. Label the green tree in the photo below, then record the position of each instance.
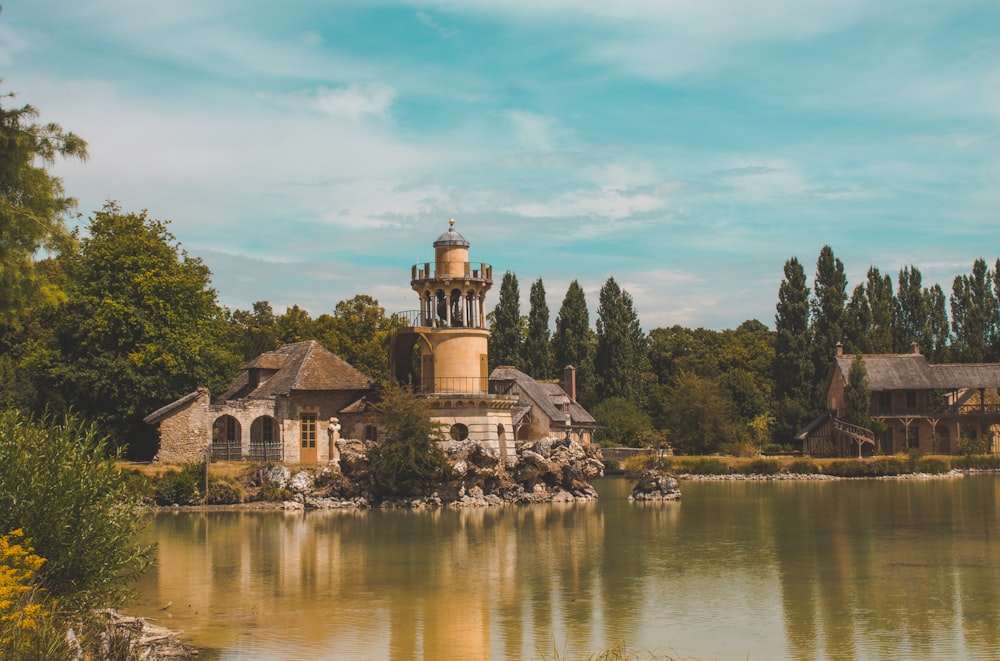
(139, 329)
(830, 294)
(254, 331)
(974, 315)
(882, 307)
(59, 484)
(573, 341)
(699, 415)
(858, 396)
(623, 424)
(792, 363)
(408, 459)
(359, 332)
(537, 349)
(508, 329)
(937, 344)
(857, 321)
(33, 206)
(295, 325)
(621, 358)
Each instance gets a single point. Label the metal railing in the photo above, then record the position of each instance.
(449, 270)
(478, 386)
(266, 451)
(857, 431)
(416, 319)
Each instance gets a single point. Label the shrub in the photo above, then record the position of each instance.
(802, 467)
(977, 462)
(880, 467)
(180, 487)
(27, 629)
(58, 484)
(759, 467)
(409, 459)
(223, 492)
(933, 465)
(702, 466)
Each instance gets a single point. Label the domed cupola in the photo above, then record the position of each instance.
(451, 237)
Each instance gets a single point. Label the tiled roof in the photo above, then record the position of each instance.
(547, 396)
(300, 366)
(165, 411)
(911, 371)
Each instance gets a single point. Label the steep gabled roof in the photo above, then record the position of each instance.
(165, 411)
(911, 371)
(299, 366)
(546, 396)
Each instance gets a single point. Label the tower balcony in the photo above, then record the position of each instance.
(470, 271)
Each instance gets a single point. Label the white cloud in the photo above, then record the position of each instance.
(355, 101)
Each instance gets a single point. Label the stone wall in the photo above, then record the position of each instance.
(186, 433)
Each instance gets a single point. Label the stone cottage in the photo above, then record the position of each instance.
(289, 405)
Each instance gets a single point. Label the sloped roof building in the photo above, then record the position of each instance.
(283, 406)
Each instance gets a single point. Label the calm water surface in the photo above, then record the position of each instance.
(736, 570)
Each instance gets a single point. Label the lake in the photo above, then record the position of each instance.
(861, 569)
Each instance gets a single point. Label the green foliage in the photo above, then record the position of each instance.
(33, 206)
(699, 415)
(254, 331)
(180, 487)
(621, 360)
(223, 492)
(880, 467)
(932, 465)
(792, 371)
(58, 484)
(573, 342)
(802, 467)
(700, 466)
(827, 310)
(140, 327)
(359, 332)
(508, 327)
(622, 422)
(977, 462)
(537, 348)
(858, 396)
(759, 467)
(975, 316)
(408, 460)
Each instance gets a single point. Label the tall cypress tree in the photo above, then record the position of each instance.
(911, 311)
(537, 349)
(858, 322)
(858, 396)
(573, 341)
(792, 364)
(936, 345)
(621, 358)
(507, 331)
(830, 294)
(882, 307)
(974, 315)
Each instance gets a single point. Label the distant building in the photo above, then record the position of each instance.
(931, 408)
(292, 404)
(282, 407)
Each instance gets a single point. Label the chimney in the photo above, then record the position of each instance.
(915, 348)
(840, 350)
(569, 381)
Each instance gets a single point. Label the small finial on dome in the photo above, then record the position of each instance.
(451, 222)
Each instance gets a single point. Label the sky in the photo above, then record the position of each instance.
(312, 150)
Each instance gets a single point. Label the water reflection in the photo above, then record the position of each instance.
(837, 570)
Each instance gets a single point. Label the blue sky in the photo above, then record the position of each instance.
(312, 150)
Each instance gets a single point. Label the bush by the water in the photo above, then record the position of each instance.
(977, 462)
(759, 467)
(932, 465)
(802, 467)
(701, 466)
(223, 492)
(180, 487)
(62, 488)
(879, 467)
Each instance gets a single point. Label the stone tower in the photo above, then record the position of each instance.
(451, 367)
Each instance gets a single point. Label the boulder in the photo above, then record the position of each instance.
(655, 485)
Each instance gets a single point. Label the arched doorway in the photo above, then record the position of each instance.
(226, 435)
(264, 442)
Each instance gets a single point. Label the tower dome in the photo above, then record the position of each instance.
(451, 237)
